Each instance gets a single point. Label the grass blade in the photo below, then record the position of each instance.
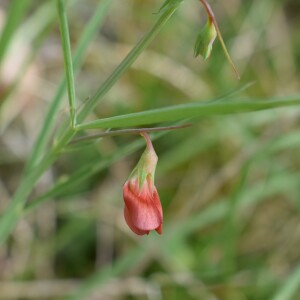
(87, 36)
(184, 111)
(14, 210)
(65, 39)
(17, 9)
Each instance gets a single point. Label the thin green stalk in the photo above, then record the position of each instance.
(127, 132)
(13, 212)
(91, 29)
(65, 39)
(184, 111)
(17, 9)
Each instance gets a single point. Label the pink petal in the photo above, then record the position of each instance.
(143, 207)
(131, 225)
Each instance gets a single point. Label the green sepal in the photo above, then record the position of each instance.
(145, 167)
(205, 39)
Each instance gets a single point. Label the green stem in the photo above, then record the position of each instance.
(65, 38)
(87, 36)
(127, 132)
(17, 9)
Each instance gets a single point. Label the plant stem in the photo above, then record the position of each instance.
(91, 29)
(127, 132)
(65, 38)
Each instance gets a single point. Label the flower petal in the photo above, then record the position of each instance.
(131, 225)
(143, 206)
(159, 229)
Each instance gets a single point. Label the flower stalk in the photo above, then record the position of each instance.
(127, 132)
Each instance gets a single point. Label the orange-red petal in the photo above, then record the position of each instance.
(143, 211)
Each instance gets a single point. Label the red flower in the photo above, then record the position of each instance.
(143, 210)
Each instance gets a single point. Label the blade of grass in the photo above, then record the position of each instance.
(65, 39)
(90, 30)
(184, 111)
(14, 210)
(17, 10)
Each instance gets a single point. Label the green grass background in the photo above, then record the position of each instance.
(229, 184)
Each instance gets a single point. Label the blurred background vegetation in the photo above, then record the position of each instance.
(229, 185)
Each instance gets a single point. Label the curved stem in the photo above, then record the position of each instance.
(146, 136)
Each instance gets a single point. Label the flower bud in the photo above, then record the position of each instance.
(143, 210)
(205, 39)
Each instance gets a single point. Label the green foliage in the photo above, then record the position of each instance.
(17, 9)
(229, 184)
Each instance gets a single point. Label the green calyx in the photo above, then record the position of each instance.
(205, 39)
(146, 166)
